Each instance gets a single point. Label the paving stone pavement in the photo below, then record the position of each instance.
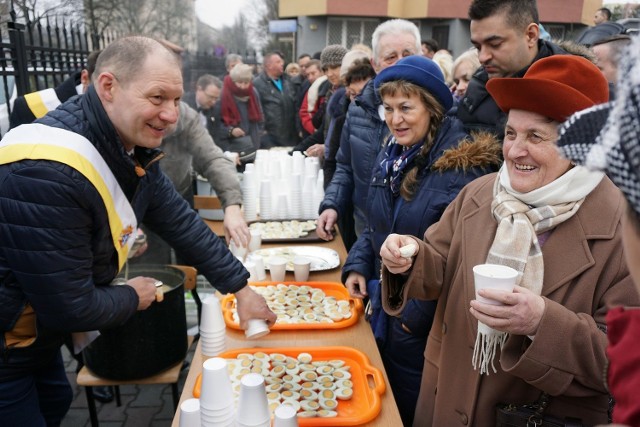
(142, 405)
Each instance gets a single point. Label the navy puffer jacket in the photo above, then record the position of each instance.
(56, 254)
(450, 167)
(361, 141)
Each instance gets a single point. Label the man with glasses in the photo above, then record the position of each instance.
(204, 98)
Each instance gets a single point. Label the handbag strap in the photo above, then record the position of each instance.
(535, 420)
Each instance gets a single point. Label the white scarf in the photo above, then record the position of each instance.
(520, 217)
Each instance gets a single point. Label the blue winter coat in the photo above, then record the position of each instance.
(438, 187)
(56, 250)
(361, 141)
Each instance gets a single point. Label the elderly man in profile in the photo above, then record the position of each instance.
(362, 137)
(75, 184)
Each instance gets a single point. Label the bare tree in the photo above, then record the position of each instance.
(169, 19)
(235, 38)
(259, 14)
(32, 10)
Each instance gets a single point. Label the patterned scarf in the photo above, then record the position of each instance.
(521, 217)
(230, 113)
(396, 159)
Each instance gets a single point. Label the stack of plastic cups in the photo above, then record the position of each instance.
(190, 413)
(253, 408)
(308, 187)
(296, 196)
(318, 194)
(285, 416)
(282, 206)
(212, 328)
(249, 196)
(298, 163)
(216, 395)
(266, 205)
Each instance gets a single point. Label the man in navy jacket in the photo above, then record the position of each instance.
(58, 254)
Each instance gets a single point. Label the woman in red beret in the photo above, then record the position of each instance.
(558, 226)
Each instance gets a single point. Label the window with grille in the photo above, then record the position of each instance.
(348, 32)
(557, 32)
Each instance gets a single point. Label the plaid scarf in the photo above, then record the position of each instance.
(396, 160)
(516, 243)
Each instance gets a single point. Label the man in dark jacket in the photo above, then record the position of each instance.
(507, 36)
(277, 98)
(204, 98)
(74, 186)
(363, 134)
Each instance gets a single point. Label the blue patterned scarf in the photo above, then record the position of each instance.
(396, 159)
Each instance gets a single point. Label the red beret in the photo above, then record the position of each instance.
(555, 87)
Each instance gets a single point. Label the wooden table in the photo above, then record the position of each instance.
(358, 336)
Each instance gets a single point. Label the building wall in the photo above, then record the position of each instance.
(570, 14)
(562, 11)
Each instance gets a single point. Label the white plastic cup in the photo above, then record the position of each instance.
(190, 413)
(216, 392)
(256, 240)
(259, 263)
(493, 276)
(277, 268)
(251, 268)
(301, 267)
(285, 416)
(212, 319)
(239, 252)
(253, 408)
(256, 328)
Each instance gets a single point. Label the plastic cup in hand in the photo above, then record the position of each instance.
(493, 276)
(285, 416)
(256, 328)
(277, 268)
(301, 267)
(238, 251)
(216, 392)
(190, 413)
(256, 240)
(253, 408)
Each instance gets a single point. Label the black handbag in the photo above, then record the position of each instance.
(242, 145)
(531, 415)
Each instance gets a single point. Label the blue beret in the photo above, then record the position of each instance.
(421, 71)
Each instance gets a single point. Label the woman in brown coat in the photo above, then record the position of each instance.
(559, 227)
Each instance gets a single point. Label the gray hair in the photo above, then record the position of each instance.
(125, 57)
(232, 57)
(394, 26)
(470, 57)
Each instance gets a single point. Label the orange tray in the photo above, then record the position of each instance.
(368, 383)
(333, 289)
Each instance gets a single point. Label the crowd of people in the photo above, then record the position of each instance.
(521, 151)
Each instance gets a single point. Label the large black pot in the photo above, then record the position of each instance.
(151, 341)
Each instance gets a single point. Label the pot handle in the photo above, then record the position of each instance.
(190, 275)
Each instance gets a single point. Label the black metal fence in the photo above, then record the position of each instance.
(42, 54)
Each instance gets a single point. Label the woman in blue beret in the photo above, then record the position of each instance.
(427, 160)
